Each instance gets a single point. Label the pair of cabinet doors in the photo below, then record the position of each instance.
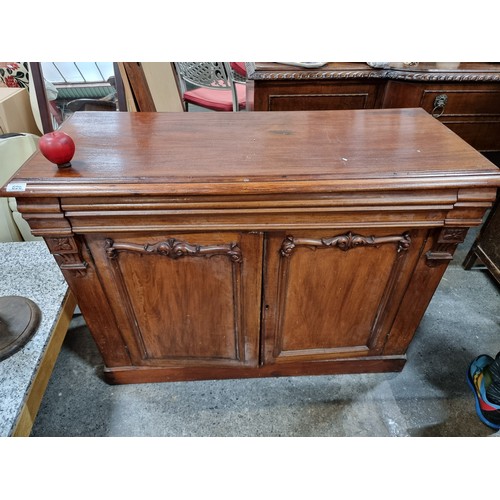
(250, 299)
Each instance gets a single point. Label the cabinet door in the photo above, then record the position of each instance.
(331, 295)
(184, 299)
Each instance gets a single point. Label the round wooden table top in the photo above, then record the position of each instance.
(19, 321)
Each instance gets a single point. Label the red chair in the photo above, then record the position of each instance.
(211, 85)
(240, 69)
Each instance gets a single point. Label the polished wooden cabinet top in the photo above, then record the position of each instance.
(257, 152)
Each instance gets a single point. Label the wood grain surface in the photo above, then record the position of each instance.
(221, 245)
(237, 153)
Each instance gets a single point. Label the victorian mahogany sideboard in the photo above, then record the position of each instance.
(227, 245)
(463, 96)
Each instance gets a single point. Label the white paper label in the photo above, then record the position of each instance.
(16, 186)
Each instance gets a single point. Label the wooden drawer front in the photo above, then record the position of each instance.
(484, 135)
(470, 103)
(474, 115)
(302, 102)
(472, 111)
(318, 96)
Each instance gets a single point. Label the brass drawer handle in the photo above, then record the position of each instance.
(439, 105)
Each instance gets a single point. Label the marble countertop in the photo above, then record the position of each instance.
(27, 269)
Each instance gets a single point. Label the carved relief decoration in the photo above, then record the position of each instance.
(460, 76)
(175, 249)
(67, 254)
(447, 242)
(345, 242)
(63, 245)
(452, 235)
(314, 75)
(390, 74)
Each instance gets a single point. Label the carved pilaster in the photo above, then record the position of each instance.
(67, 254)
(447, 242)
(46, 218)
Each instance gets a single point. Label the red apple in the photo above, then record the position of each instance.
(58, 147)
